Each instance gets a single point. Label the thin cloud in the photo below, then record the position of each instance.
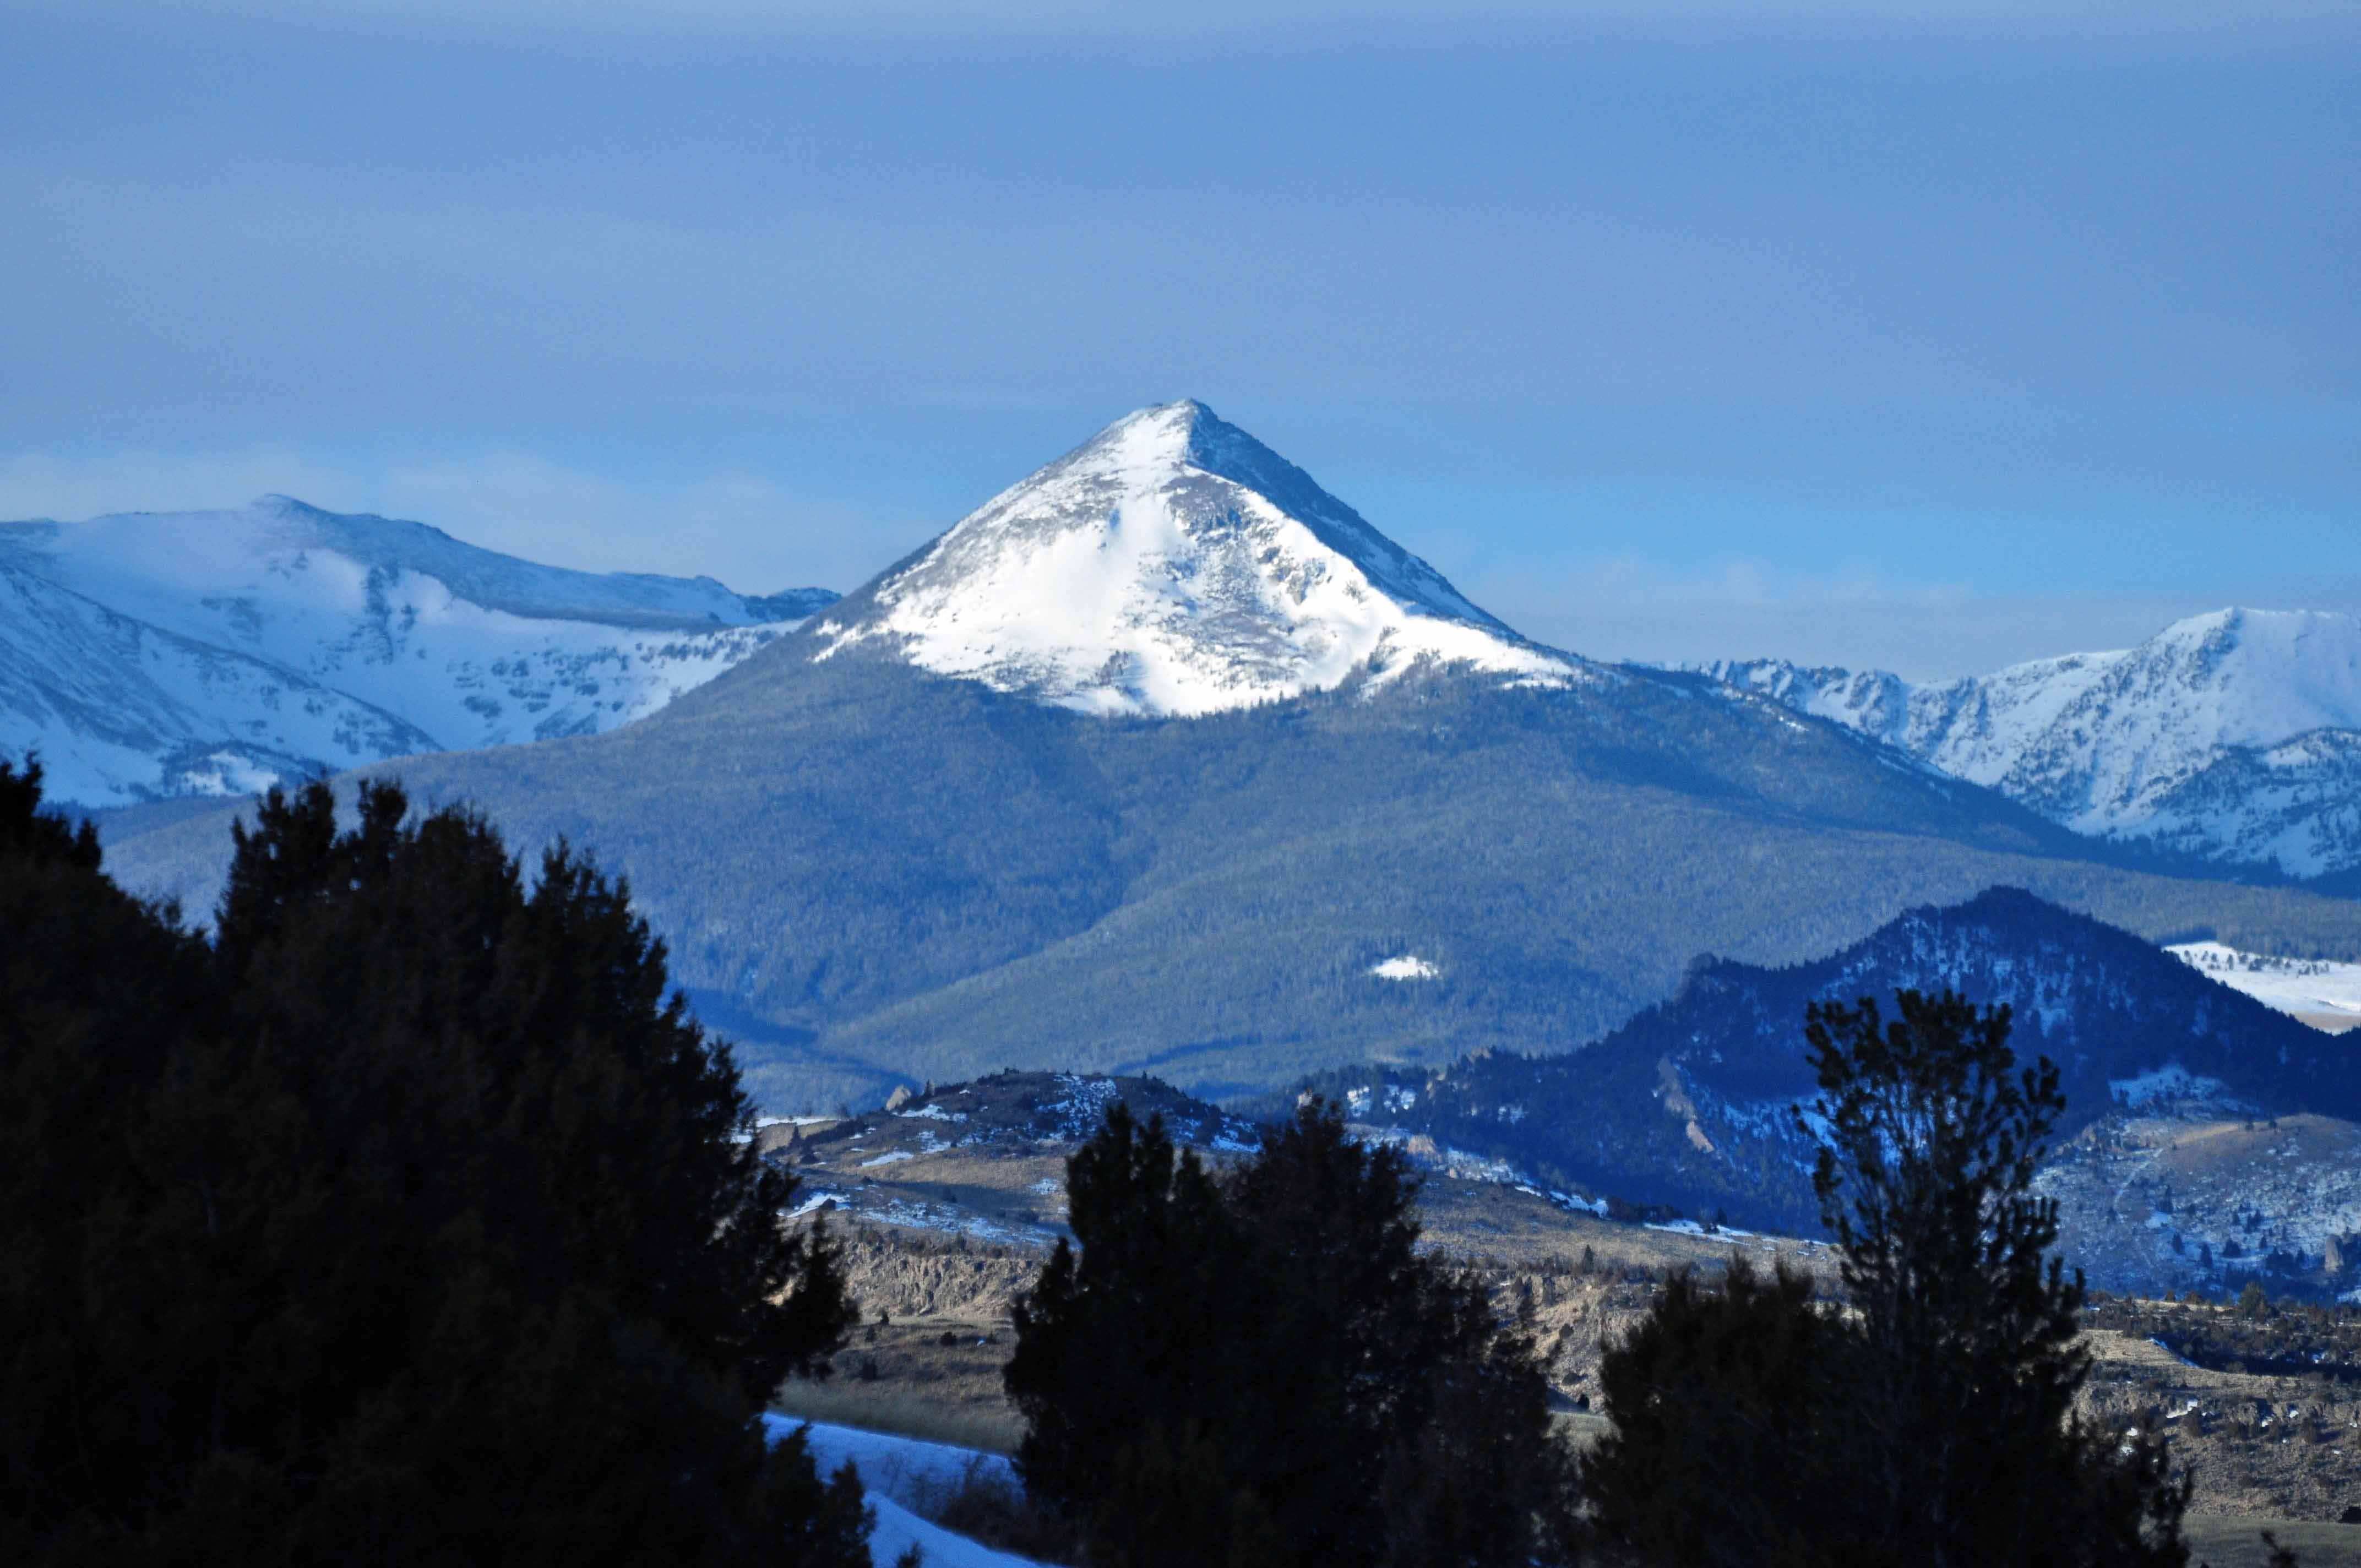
(746, 531)
(1296, 24)
(1632, 609)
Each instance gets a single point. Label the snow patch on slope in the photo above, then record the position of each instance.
(2161, 1084)
(2307, 988)
(1175, 565)
(903, 1475)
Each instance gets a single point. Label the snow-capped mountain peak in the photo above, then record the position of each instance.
(2234, 735)
(1174, 564)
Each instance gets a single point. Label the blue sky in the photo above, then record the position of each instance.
(1930, 337)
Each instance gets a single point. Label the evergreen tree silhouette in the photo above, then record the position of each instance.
(419, 1230)
(1968, 1327)
(1264, 1350)
(1931, 1420)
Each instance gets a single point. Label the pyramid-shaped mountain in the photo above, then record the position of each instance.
(1174, 564)
(1345, 816)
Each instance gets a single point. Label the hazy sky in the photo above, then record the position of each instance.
(1930, 336)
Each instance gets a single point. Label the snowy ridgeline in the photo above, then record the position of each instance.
(2234, 736)
(156, 655)
(904, 1476)
(2315, 990)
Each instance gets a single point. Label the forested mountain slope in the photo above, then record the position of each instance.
(1688, 1103)
(872, 873)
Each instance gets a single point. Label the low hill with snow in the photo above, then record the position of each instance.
(1688, 1103)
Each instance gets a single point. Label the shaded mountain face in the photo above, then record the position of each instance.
(2234, 737)
(1174, 564)
(151, 655)
(1688, 1104)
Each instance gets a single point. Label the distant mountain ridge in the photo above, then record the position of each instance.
(153, 655)
(2234, 737)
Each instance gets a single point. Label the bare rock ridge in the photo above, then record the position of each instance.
(1174, 564)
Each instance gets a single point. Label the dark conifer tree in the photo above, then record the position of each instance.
(1268, 1350)
(1732, 1430)
(100, 1000)
(1932, 1421)
(1968, 1327)
(435, 1241)
(1124, 1336)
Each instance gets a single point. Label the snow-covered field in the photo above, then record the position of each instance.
(2316, 990)
(901, 1473)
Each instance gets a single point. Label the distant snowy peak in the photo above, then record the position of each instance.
(1175, 565)
(2235, 735)
(154, 655)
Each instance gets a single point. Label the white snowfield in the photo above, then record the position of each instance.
(155, 654)
(2315, 990)
(1409, 966)
(2234, 736)
(1175, 565)
(899, 1472)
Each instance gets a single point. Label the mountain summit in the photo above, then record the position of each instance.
(1174, 564)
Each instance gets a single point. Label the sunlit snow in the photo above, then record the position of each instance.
(1410, 966)
(1175, 565)
(2235, 735)
(154, 655)
(2307, 988)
